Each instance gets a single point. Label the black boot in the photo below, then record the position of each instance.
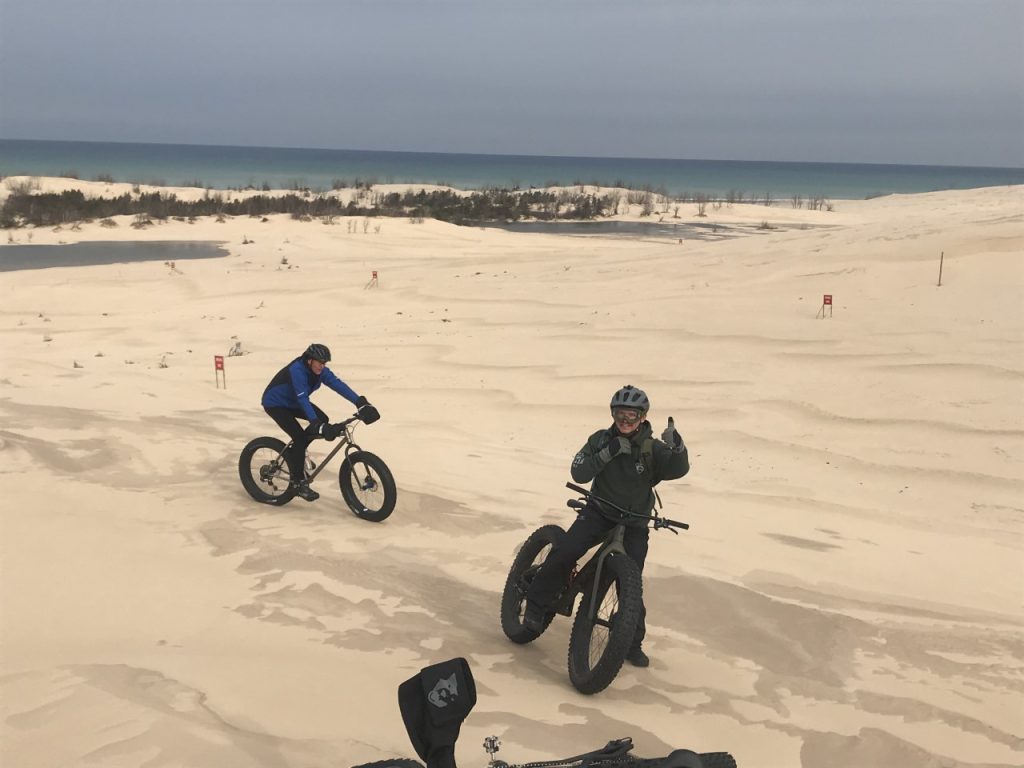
(638, 658)
(533, 618)
(303, 490)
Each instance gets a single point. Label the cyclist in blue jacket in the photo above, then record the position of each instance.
(286, 400)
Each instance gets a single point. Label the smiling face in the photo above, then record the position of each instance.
(627, 420)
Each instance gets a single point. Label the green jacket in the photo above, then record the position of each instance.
(626, 480)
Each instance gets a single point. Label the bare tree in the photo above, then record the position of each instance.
(702, 203)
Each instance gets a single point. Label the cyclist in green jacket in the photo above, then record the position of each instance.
(625, 462)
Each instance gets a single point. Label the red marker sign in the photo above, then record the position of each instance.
(828, 300)
(219, 372)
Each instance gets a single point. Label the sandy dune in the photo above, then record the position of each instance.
(850, 593)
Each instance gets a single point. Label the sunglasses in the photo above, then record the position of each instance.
(627, 416)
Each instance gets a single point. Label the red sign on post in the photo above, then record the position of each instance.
(218, 363)
(825, 302)
(219, 372)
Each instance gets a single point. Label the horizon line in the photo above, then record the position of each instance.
(508, 154)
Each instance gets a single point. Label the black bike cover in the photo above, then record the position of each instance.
(434, 703)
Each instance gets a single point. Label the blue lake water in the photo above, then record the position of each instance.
(18, 257)
(319, 169)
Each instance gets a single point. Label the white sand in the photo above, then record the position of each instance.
(850, 592)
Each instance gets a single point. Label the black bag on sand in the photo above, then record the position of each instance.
(434, 703)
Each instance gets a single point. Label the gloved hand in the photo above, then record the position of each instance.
(615, 447)
(366, 412)
(330, 432)
(316, 428)
(672, 438)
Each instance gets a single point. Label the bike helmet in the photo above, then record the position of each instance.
(631, 397)
(317, 352)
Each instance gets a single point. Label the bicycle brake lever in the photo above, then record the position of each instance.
(659, 523)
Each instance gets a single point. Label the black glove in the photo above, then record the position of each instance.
(366, 412)
(330, 432)
(616, 446)
(672, 437)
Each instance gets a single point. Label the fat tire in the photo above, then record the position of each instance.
(398, 762)
(682, 758)
(717, 760)
(349, 473)
(622, 574)
(253, 486)
(513, 598)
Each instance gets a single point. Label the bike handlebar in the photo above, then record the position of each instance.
(659, 522)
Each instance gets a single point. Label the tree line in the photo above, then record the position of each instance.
(26, 208)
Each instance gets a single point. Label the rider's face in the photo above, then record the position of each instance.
(316, 366)
(627, 420)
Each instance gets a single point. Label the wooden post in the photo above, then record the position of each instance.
(941, 256)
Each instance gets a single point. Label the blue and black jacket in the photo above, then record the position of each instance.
(293, 384)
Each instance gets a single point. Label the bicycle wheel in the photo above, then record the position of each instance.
(398, 762)
(525, 565)
(367, 486)
(264, 472)
(598, 645)
(716, 760)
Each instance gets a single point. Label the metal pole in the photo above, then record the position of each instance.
(941, 256)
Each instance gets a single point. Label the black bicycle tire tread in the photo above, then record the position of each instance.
(707, 760)
(594, 680)
(717, 760)
(245, 471)
(387, 481)
(510, 625)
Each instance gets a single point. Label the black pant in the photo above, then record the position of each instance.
(588, 529)
(288, 420)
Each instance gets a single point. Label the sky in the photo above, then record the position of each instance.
(861, 81)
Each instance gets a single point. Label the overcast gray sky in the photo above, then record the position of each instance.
(889, 81)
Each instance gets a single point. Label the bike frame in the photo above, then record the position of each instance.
(588, 578)
(344, 441)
